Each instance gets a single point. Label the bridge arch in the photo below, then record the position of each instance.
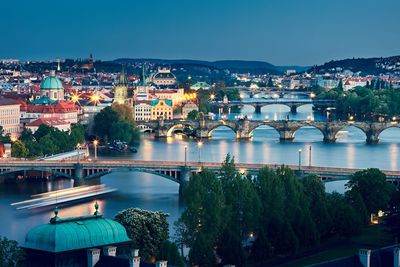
(212, 129)
(174, 127)
(48, 170)
(114, 170)
(267, 126)
(383, 131)
(313, 127)
(144, 128)
(284, 105)
(342, 132)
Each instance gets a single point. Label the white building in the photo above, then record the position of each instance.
(10, 116)
(142, 110)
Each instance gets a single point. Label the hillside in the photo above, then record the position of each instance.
(366, 66)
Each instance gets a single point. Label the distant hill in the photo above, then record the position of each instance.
(366, 66)
(240, 66)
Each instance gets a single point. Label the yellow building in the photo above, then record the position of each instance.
(10, 116)
(175, 95)
(161, 108)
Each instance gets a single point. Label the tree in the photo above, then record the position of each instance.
(204, 216)
(42, 131)
(148, 230)
(169, 251)
(192, 115)
(373, 188)
(18, 150)
(103, 121)
(11, 254)
(122, 130)
(4, 138)
(124, 112)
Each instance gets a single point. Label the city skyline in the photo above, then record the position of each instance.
(206, 30)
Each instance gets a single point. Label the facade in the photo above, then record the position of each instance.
(328, 83)
(52, 87)
(10, 116)
(62, 110)
(121, 90)
(200, 85)
(142, 110)
(56, 123)
(175, 95)
(188, 107)
(164, 77)
(161, 108)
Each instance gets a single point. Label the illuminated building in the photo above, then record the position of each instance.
(10, 116)
(52, 87)
(161, 108)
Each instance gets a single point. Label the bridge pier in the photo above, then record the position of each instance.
(372, 138)
(293, 109)
(257, 109)
(286, 135)
(184, 178)
(78, 173)
(330, 137)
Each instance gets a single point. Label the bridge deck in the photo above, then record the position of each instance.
(106, 164)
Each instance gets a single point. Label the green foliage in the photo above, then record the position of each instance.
(4, 138)
(11, 254)
(283, 213)
(18, 150)
(169, 251)
(192, 115)
(148, 230)
(364, 103)
(373, 189)
(116, 123)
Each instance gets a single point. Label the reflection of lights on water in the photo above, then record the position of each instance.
(393, 156)
(350, 155)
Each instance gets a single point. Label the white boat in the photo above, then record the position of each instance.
(63, 196)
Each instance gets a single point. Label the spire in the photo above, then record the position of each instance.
(143, 74)
(97, 212)
(122, 77)
(55, 219)
(58, 65)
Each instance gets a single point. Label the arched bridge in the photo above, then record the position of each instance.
(293, 104)
(176, 171)
(244, 128)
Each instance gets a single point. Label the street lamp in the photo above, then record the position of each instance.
(212, 96)
(77, 149)
(199, 145)
(185, 156)
(95, 143)
(299, 159)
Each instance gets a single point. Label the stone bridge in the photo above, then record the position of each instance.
(176, 171)
(244, 128)
(293, 104)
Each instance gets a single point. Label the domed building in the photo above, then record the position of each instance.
(78, 241)
(164, 77)
(52, 87)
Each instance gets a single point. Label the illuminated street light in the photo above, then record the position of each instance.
(199, 145)
(95, 143)
(186, 155)
(75, 98)
(77, 149)
(312, 95)
(95, 99)
(212, 96)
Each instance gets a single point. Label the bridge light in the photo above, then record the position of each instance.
(351, 119)
(312, 95)
(212, 96)
(394, 119)
(242, 171)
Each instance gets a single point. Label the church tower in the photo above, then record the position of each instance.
(121, 89)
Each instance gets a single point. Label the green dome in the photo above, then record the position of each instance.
(51, 83)
(75, 233)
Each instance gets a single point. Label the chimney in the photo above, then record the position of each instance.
(161, 264)
(93, 256)
(110, 251)
(396, 255)
(364, 256)
(135, 262)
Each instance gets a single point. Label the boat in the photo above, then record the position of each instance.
(133, 149)
(63, 196)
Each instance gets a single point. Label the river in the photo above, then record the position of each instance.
(155, 193)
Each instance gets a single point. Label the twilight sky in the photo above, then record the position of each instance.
(282, 32)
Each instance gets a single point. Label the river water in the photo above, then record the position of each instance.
(155, 193)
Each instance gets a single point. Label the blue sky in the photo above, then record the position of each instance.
(282, 32)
